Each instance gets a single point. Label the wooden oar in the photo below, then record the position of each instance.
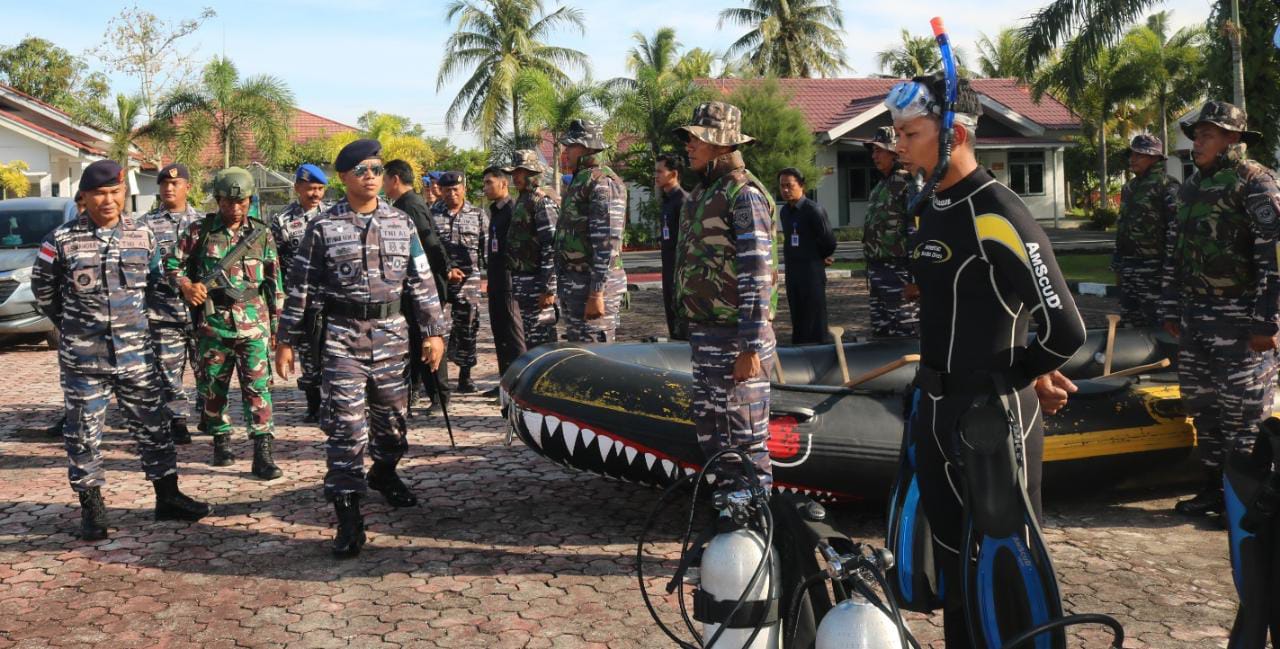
(837, 333)
(883, 369)
(1150, 367)
(1112, 321)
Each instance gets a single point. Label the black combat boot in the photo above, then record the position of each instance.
(178, 430)
(56, 429)
(264, 466)
(383, 479)
(222, 455)
(173, 505)
(313, 406)
(93, 515)
(1209, 500)
(350, 537)
(465, 386)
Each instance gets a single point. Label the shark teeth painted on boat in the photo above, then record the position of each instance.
(617, 458)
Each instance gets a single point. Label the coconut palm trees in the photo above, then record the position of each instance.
(120, 125)
(1003, 57)
(789, 38)
(498, 40)
(1174, 65)
(551, 107)
(225, 108)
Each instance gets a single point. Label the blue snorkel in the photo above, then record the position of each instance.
(946, 135)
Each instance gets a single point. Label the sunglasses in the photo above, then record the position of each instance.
(361, 169)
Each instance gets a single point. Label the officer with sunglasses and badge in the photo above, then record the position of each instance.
(356, 262)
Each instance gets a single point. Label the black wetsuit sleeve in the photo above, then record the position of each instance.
(1027, 263)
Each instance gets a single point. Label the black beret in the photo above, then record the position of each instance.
(450, 179)
(175, 170)
(355, 153)
(103, 173)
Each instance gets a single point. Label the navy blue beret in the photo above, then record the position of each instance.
(450, 179)
(175, 170)
(309, 173)
(103, 173)
(355, 153)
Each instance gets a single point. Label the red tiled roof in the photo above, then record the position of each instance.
(827, 103)
(306, 126)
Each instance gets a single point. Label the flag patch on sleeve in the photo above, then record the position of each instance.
(47, 252)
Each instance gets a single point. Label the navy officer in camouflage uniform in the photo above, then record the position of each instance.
(724, 282)
(287, 228)
(1148, 207)
(171, 334)
(463, 230)
(90, 280)
(356, 262)
(1221, 298)
(590, 280)
(885, 234)
(530, 250)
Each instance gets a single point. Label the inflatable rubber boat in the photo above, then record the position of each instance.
(622, 410)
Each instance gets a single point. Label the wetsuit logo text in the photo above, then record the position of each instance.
(933, 250)
(1042, 277)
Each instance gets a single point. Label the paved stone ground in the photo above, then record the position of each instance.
(508, 550)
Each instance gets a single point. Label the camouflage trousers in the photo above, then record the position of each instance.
(728, 414)
(251, 360)
(1139, 284)
(171, 342)
(465, 301)
(353, 387)
(87, 396)
(571, 293)
(539, 324)
(1226, 388)
(310, 375)
(891, 315)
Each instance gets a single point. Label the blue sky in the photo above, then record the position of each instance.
(342, 57)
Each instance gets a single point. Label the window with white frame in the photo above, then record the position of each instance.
(1026, 172)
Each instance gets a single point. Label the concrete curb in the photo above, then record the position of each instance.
(1094, 288)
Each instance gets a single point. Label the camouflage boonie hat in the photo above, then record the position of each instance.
(1226, 116)
(526, 159)
(233, 182)
(1147, 144)
(716, 122)
(584, 132)
(885, 138)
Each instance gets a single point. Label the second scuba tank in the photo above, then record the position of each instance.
(856, 623)
(729, 563)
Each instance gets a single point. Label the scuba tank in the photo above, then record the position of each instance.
(734, 592)
(861, 621)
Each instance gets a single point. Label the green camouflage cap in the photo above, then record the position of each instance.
(1225, 116)
(526, 159)
(233, 182)
(585, 132)
(1147, 144)
(885, 138)
(716, 122)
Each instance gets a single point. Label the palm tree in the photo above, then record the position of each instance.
(498, 40)
(1105, 82)
(1174, 65)
(696, 64)
(1090, 25)
(550, 108)
(1005, 57)
(227, 109)
(915, 56)
(659, 53)
(121, 126)
(789, 38)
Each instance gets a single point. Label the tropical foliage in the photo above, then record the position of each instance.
(13, 183)
(53, 75)
(783, 137)
(1262, 61)
(789, 38)
(1003, 57)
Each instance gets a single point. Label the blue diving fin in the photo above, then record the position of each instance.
(1007, 579)
(1251, 485)
(914, 579)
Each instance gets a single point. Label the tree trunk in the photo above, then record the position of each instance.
(1237, 66)
(1164, 121)
(226, 150)
(1102, 162)
(555, 164)
(515, 117)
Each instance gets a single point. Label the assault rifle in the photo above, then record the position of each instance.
(217, 277)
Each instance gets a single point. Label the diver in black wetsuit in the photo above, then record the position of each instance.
(984, 269)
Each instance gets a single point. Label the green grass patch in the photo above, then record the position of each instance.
(1087, 268)
(849, 265)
